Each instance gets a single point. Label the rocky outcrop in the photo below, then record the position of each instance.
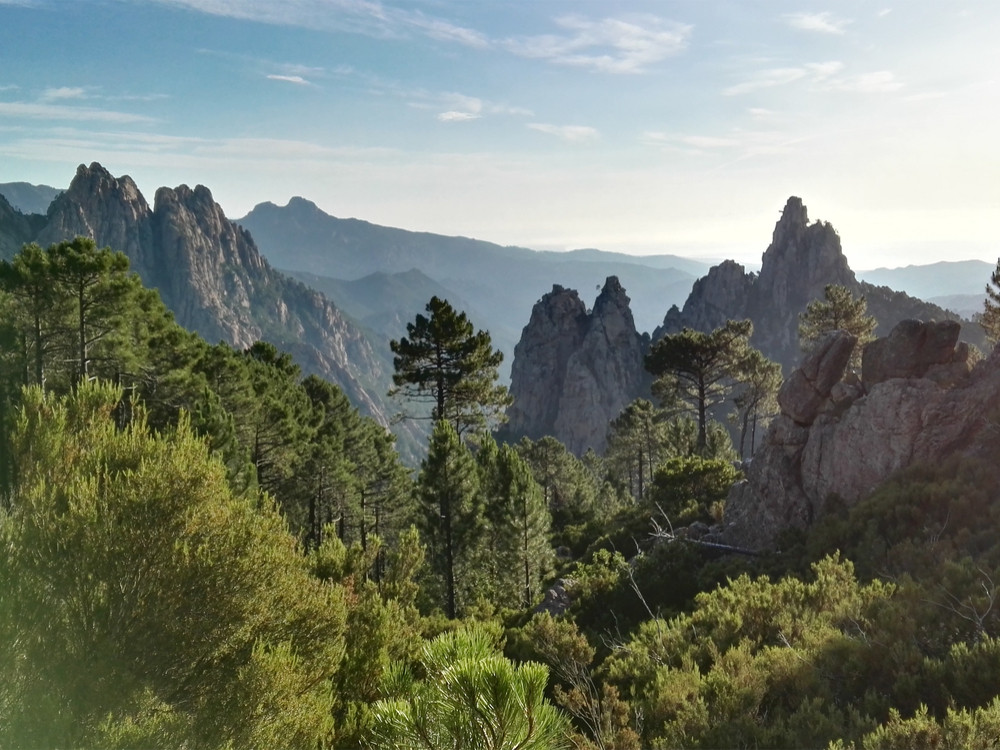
(210, 274)
(912, 350)
(215, 266)
(109, 209)
(809, 388)
(842, 439)
(574, 370)
(801, 260)
(714, 297)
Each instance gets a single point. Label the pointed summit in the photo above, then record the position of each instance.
(575, 371)
(108, 209)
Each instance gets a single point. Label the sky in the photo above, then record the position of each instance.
(639, 126)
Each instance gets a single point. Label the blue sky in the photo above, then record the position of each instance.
(641, 126)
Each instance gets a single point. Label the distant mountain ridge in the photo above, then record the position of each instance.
(503, 283)
(944, 278)
(28, 198)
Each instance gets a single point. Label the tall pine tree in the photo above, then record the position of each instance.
(444, 362)
(700, 368)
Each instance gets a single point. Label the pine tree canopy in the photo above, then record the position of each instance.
(445, 362)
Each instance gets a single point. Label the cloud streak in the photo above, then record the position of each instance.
(298, 80)
(354, 16)
(824, 23)
(44, 111)
(611, 45)
(823, 76)
(568, 133)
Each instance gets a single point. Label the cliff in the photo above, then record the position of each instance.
(210, 273)
(574, 370)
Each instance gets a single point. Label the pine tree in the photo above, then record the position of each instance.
(37, 312)
(470, 696)
(756, 400)
(519, 524)
(569, 490)
(990, 317)
(447, 364)
(838, 310)
(451, 516)
(102, 293)
(700, 368)
(636, 444)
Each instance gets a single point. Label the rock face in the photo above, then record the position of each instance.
(801, 260)
(844, 438)
(574, 371)
(210, 274)
(109, 209)
(911, 350)
(807, 390)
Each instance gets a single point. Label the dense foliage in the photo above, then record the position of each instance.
(201, 548)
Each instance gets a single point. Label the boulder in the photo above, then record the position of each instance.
(910, 350)
(807, 389)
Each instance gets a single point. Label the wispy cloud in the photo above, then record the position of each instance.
(766, 79)
(824, 23)
(437, 28)
(462, 108)
(353, 16)
(64, 92)
(44, 111)
(453, 116)
(160, 149)
(688, 143)
(822, 76)
(299, 80)
(879, 82)
(569, 133)
(611, 45)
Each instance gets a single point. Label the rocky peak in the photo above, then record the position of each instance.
(110, 210)
(719, 296)
(210, 274)
(574, 371)
(801, 260)
(198, 250)
(843, 437)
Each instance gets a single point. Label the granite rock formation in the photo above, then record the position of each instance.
(842, 438)
(801, 260)
(210, 274)
(574, 370)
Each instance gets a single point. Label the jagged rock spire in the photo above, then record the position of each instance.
(574, 370)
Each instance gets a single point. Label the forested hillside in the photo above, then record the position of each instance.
(204, 548)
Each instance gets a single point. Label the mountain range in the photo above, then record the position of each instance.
(348, 286)
(494, 284)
